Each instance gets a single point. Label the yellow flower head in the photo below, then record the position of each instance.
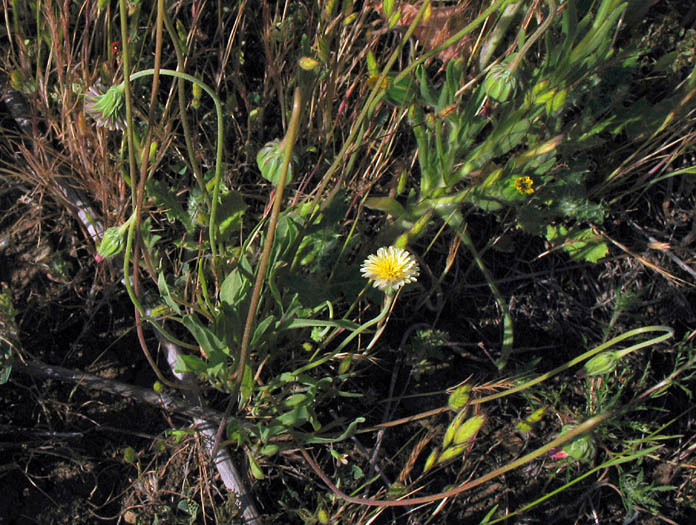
(390, 268)
(525, 185)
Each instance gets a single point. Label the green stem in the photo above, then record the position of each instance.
(288, 144)
(540, 31)
(388, 301)
(219, 148)
(130, 136)
(668, 332)
(131, 156)
(188, 138)
(131, 292)
(457, 222)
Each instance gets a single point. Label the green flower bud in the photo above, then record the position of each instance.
(309, 63)
(452, 453)
(397, 489)
(500, 83)
(350, 19)
(558, 101)
(454, 426)
(601, 364)
(129, 455)
(527, 423)
(582, 447)
(344, 367)
(468, 429)
(106, 108)
(322, 515)
(459, 398)
(270, 161)
(112, 242)
(197, 91)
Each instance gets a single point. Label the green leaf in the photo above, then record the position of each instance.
(270, 450)
(394, 19)
(311, 439)
(215, 350)
(261, 329)
(254, 467)
(237, 284)
(165, 197)
(295, 417)
(426, 92)
(400, 93)
(229, 213)
(166, 294)
(580, 244)
(387, 205)
(338, 323)
(297, 400)
(190, 363)
(247, 386)
(5, 372)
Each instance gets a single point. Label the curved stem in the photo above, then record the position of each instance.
(540, 31)
(590, 353)
(188, 138)
(388, 301)
(212, 227)
(583, 428)
(456, 221)
(548, 375)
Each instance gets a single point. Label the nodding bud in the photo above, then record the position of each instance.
(112, 243)
(601, 364)
(500, 83)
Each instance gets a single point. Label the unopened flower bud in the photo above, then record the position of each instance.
(500, 83)
(601, 364)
